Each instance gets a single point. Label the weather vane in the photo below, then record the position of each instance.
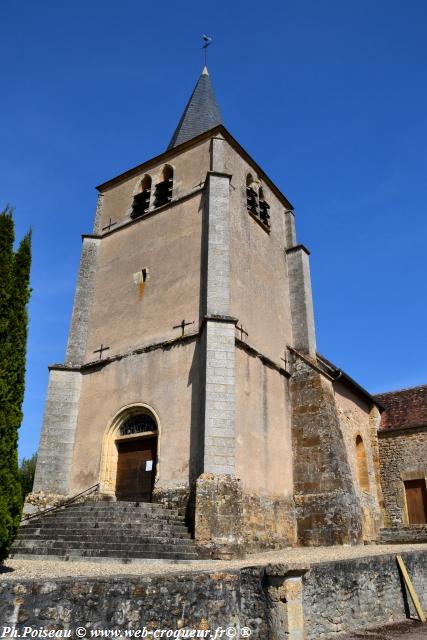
(207, 40)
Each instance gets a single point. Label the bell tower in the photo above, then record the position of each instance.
(191, 376)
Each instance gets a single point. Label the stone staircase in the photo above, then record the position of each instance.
(106, 531)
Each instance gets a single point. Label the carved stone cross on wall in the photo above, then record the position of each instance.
(285, 360)
(182, 326)
(109, 225)
(100, 350)
(242, 331)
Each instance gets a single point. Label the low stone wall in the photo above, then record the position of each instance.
(352, 594)
(336, 596)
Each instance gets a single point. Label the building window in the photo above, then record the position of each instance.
(140, 423)
(362, 467)
(263, 209)
(256, 203)
(141, 202)
(163, 193)
(251, 196)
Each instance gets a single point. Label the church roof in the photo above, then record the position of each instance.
(201, 113)
(404, 409)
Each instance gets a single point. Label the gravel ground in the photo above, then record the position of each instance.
(33, 569)
(409, 630)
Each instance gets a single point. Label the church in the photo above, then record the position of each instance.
(191, 378)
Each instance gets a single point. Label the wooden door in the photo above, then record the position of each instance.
(136, 469)
(416, 501)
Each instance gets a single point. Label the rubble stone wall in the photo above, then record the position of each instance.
(403, 456)
(336, 596)
(327, 507)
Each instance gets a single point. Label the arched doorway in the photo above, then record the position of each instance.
(129, 458)
(136, 458)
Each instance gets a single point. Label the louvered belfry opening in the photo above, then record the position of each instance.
(263, 209)
(251, 196)
(141, 202)
(163, 193)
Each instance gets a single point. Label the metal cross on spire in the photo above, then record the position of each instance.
(207, 40)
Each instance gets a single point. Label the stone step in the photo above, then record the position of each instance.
(101, 553)
(124, 530)
(416, 534)
(107, 518)
(57, 545)
(124, 525)
(94, 535)
(116, 507)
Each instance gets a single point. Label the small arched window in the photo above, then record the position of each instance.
(362, 467)
(139, 423)
(263, 209)
(163, 193)
(141, 202)
(251, 195)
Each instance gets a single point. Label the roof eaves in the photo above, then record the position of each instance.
(187, 145)
(343, 376)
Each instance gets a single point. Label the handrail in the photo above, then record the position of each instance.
(61, 504)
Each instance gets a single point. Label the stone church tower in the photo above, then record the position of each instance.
(191, 376)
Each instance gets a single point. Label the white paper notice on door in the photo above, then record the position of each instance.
(149, 465)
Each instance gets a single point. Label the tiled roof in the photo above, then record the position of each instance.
(404, 409)
(201, 113)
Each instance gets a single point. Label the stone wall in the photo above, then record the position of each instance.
(327, 507)
(230, 522)
(359, 418)
(403, 456)
(337, 596)
(269, 522)
(353, 594)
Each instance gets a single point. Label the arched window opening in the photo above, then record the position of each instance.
(139, 423)
(251, 195)
(141, 202)
(163, 193)
(362, 467)
(263, 209)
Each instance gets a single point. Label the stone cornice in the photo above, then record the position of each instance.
(131, 221)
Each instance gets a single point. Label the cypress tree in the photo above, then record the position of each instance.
(14, 296)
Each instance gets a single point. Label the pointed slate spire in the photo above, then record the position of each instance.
(201, 113)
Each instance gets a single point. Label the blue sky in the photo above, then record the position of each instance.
(328, 96)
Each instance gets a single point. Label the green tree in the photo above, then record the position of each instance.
(27, 469)
(14, 296)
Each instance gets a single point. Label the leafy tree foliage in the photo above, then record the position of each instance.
(27, 469)
(14, 296)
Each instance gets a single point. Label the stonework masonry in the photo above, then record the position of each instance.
(301, 300)
(55, 453)
(328, 511)
(276, 602)
(403, 456)
(219, 440)
(76, 347)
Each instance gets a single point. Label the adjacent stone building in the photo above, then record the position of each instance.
(191, 375)
(403, 456)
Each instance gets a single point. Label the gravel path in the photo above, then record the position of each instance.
(409, 630)
(33, 569)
